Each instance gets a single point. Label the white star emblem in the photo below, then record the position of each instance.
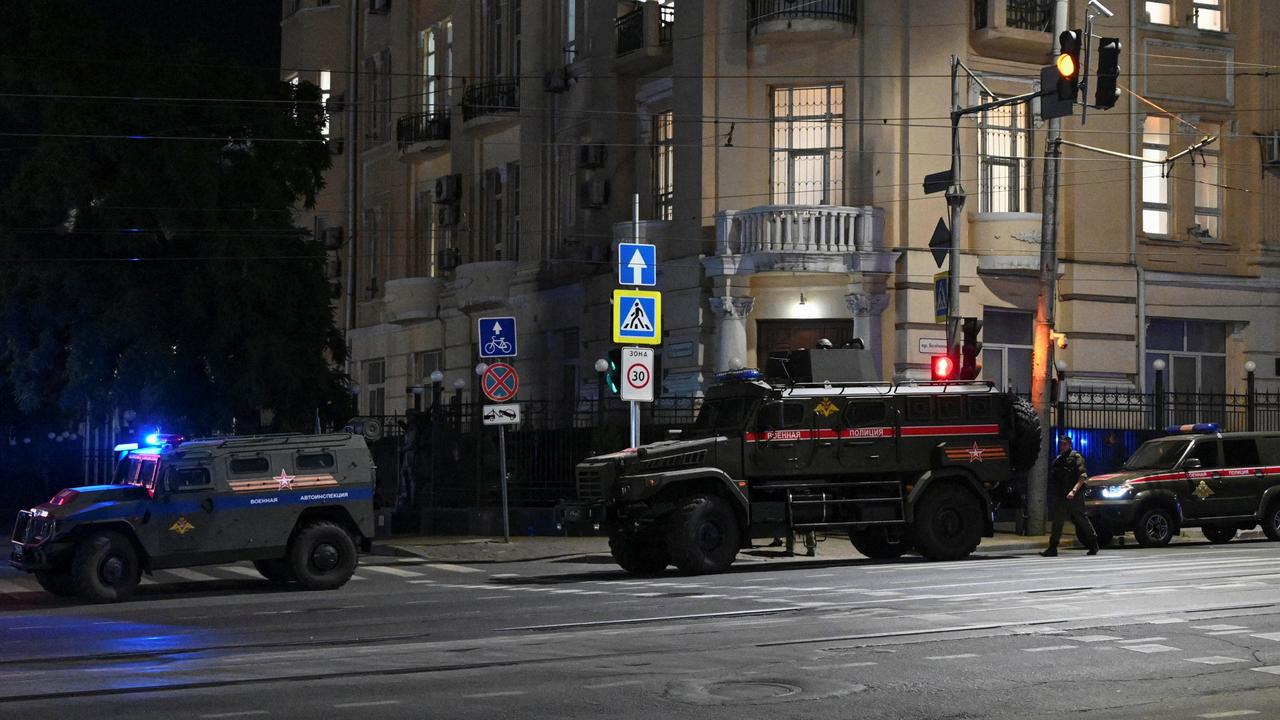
(285, 480)
(975, 453)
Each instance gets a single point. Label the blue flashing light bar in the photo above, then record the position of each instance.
(125, 447)
(743, 375)
(1192, 428)
(154, 439)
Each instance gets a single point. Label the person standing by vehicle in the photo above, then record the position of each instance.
(1067, 478)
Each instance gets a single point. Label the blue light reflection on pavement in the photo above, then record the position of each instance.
(42, 636)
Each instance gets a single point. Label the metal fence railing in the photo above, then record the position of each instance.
(762, 11)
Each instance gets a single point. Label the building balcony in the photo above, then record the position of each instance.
(482, 285)
(809, 20)
(411, 300)
(422, 133)
(800, 238)
(644, 38)
(490, 102)
(1006, 244)
(1014, 29)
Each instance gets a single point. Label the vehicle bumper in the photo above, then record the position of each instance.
(45, 556)
(580, 515)
(1117, 514)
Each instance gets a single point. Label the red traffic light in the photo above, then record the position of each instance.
(942, 367)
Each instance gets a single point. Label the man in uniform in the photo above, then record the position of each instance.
(1066, 486)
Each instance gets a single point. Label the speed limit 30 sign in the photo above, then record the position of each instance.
(637, 374)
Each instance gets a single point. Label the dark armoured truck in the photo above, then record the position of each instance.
(299, 506)
(906, 466)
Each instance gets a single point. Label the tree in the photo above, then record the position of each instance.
(148, 254)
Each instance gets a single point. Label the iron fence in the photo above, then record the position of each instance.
(490, 98)
(762, 11)
(1020, 14)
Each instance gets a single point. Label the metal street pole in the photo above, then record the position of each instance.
(635, 406)
(1042, 348)
(502, 469)
(955, 206)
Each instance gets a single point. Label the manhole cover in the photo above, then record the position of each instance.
(750, 690)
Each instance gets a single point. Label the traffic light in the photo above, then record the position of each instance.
(1105, 92)
(1068, 64)
(942, 367)
(613, 375)
(969, 347)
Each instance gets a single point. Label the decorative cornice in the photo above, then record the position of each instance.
(732, 307)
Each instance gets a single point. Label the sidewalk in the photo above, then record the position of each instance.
(486, 550)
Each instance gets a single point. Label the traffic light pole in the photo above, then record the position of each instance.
(955, 208)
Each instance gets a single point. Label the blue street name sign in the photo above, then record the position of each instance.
(637, 264)
(497, 337)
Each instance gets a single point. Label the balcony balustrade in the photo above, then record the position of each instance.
(1013, 29)
(500, 97)
(826, 17)
(800, 238)
(422, 132)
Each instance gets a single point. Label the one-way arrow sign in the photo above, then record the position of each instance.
(637, 264)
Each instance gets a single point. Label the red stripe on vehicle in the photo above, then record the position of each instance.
(920, 430)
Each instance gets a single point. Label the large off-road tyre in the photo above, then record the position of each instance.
(639, 555)
(879, 543)
(1271, 521)
(1104, 535)
(276, 570)
(948, 523)
(105, 568)
(322, 556)
(56, 582)
(1218, 534)
(702, 535)
(1024, 448)
(1154, 527)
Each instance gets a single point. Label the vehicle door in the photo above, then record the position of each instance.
(1269, 456)
(184, 515)
(1243, 475)
(782, 439)
(262, 503)
(1206, 493)
(867, 436)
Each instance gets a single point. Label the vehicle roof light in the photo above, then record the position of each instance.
(123, 447)
(743, 375)
(1192, 428)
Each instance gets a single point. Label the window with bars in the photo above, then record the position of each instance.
(1207, 14)
(1155, 182)
(1208, 175)
(663, 165)
(808, 145)
(1004, 140)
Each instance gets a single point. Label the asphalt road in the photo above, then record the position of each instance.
(1180, 632)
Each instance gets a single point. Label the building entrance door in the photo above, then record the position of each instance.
(774, 336)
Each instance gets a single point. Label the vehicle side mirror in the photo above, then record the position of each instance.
(674, 433)
(1191, 463)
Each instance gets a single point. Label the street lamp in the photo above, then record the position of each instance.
(458, 386)
(1249, 407)
(602, 367)
(1060, 397)
(1158, 392)
(437, 385)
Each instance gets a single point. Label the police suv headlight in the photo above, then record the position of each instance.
(1115, 492)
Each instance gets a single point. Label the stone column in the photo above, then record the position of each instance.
(866, 309)
(731, 330)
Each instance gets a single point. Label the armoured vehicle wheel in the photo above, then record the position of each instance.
(639, 555)
(1271, 521)
(878, 543)
(1024, 448)
(1105, 536)
(702, 535)
(322, 556)
(1153, 527)
(1218, 533)
(56, 582)
(105, 568)
(948, 523)
(275, 570)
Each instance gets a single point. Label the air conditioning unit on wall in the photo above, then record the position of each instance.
(448, 189)
(591, 156)
(448, 215)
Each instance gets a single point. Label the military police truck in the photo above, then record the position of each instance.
(898, 466)
(299, 506)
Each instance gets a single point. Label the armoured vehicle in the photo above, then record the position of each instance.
(898, 466)
(1195, 477)
(299, 506)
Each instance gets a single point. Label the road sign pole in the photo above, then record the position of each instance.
(502, 468)
(635, 424)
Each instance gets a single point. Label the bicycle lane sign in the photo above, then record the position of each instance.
(497, 337)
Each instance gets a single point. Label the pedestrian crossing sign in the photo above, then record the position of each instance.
(637, 317)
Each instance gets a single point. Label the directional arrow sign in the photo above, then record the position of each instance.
(637, 264)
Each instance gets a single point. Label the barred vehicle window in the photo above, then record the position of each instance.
(1269, 449)
(314, 461)
(919, 408)
(249, 465)
(950, 408)
(861, 414)
(188, 478)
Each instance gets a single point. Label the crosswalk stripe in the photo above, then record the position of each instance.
(247, 572)
(388, 570)
(453, 568)
(186, 574)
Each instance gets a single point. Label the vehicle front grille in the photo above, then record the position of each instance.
(688, 459)
(20, 527)
(32, 529)
(591, 479)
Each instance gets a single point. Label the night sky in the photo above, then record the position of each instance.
(246, 31)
